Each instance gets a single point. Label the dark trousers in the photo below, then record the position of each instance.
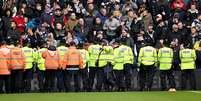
(5, 81)
(188, 74)
(146, 75)
(101, 78)
(164, 74)
(119, 79)
(60, 80)
(109, 80)
(50, 80)
(41, 80)
(72, 76)
(128, 75)
(17, 81)
(84, 76)
(28, 76)
(97, 72)
(92, 75)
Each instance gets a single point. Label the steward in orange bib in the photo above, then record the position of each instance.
(17, 64)
(52, 63)
(72, 62)
(4, 69)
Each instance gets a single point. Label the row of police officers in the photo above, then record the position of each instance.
(100, 67)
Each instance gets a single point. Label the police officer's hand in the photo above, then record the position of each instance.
(138, 64)
(156, 64)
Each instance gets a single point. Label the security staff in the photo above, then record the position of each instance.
(103, 64)
(72, 63)
(5, 80)
(165, 59)
(29, 59)
(94, 51)
(187, 58)
(62, 49)
(41, 67)
(128, 62)
(147, 60)
(52, 63)
(17, 65)
(84, 70)
(197, 47)
(122, 55)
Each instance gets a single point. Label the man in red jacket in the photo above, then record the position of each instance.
(19, 19)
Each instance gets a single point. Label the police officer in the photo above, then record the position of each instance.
(41, 67)
(94, 52)
(147, 60)
(104, 66)
(165, 58)
(128, 62)
(62, 49)
(197, 47)
(187, 58)
(29, 59)
(122, 55)
(84, 70)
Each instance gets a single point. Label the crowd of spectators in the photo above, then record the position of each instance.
(83, 21)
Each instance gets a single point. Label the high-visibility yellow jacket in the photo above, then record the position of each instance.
(187, 57)
(106, 56)
(165, 58)
(94, 51)
(40, 60)
(30, 56)
(62, 51)
(122, 55)
(147, 56)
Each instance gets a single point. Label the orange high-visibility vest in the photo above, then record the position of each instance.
(17, 59)
(52, 61)
(72, 58)
(4, 63)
